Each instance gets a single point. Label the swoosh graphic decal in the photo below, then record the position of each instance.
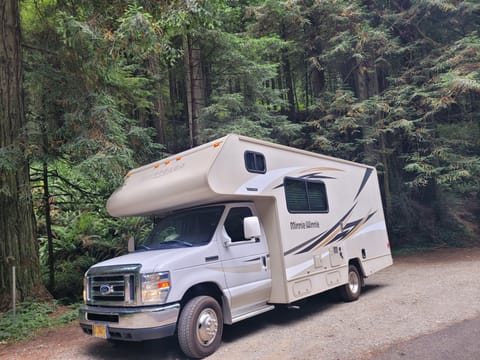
(330, 234)
(336, 233)
(366, 176)
(351, 228)
(320, 169)
(262, 181)
(312, 176)
(311, 243)
(292, 250)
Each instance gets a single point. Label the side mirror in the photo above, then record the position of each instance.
(131, 244)
(251, 228)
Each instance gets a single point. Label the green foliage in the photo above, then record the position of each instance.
(9, 157)
(82, 238)
(31, 317)
(82, 243)
(392, 84)
(402, 100)
(83, 94)
(241, 102)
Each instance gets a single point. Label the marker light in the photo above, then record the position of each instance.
(164, 284)
(85, 291)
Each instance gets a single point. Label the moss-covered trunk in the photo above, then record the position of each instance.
(18, 246)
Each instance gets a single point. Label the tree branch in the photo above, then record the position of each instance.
(32, 47)
(72, 185)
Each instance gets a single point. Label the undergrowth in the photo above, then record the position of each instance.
(412, 250)
(32, 317)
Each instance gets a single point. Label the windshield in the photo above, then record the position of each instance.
(185, 229)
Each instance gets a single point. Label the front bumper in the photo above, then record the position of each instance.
(131, 324)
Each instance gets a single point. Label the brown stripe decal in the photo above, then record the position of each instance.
(366, 176)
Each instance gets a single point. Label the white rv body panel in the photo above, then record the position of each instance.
(313, 245)
(299, 252)
(169, 184)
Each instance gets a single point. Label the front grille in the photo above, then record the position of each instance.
(113, 286)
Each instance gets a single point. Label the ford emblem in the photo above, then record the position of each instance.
(105, 289)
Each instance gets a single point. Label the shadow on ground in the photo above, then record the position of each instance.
(169, 349)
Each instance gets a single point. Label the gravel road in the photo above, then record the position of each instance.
(418, 295)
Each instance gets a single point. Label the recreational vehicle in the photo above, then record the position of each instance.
(242, 225)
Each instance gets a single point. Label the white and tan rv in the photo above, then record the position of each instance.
(242, 225)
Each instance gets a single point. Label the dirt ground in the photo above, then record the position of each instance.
(418, 295)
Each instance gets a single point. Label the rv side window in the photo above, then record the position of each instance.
(305, 196)
(255, 162)
(234, 223)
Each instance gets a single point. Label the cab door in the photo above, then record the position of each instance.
(245, 262)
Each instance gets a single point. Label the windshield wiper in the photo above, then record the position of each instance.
(181, 242)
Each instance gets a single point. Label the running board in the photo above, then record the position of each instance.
(250, 314)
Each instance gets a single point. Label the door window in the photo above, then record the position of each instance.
(234, 223)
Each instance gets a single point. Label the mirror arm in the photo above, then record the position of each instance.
(131, 244)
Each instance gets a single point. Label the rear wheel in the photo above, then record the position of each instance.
(200, 327)
(352, 289)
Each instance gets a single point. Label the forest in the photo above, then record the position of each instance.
(90, 89)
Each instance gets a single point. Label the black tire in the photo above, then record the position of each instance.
(200, 327)
(352, 289)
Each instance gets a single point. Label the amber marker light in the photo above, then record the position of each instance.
(163, 284)
(167, 162)
(156, 166)
(217, 144)
(178, 158)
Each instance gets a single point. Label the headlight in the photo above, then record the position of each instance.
(85, 289)
(155, 287)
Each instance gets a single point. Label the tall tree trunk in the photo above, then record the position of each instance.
(159, 117)
(287, 70)
(361, 80)
(366, 79)
(174, 96)
(18, 246)
(384, 154)
(366, 86)
(48, 224)
(195, 87)
(317, 81)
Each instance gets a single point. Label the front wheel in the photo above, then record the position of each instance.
(200, 327)
(352, 289)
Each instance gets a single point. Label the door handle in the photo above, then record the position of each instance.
(264, 263)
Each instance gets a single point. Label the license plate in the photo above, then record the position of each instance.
(99, 331)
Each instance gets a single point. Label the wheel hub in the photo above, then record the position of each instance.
(207, 326)
(353, 282)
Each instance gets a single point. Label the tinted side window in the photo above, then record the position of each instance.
(317, 196)
(234, 223)
(305, 196)
(255, 162)
(296, 194)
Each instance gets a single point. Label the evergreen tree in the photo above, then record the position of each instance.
(18, 244)
(111, 85)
